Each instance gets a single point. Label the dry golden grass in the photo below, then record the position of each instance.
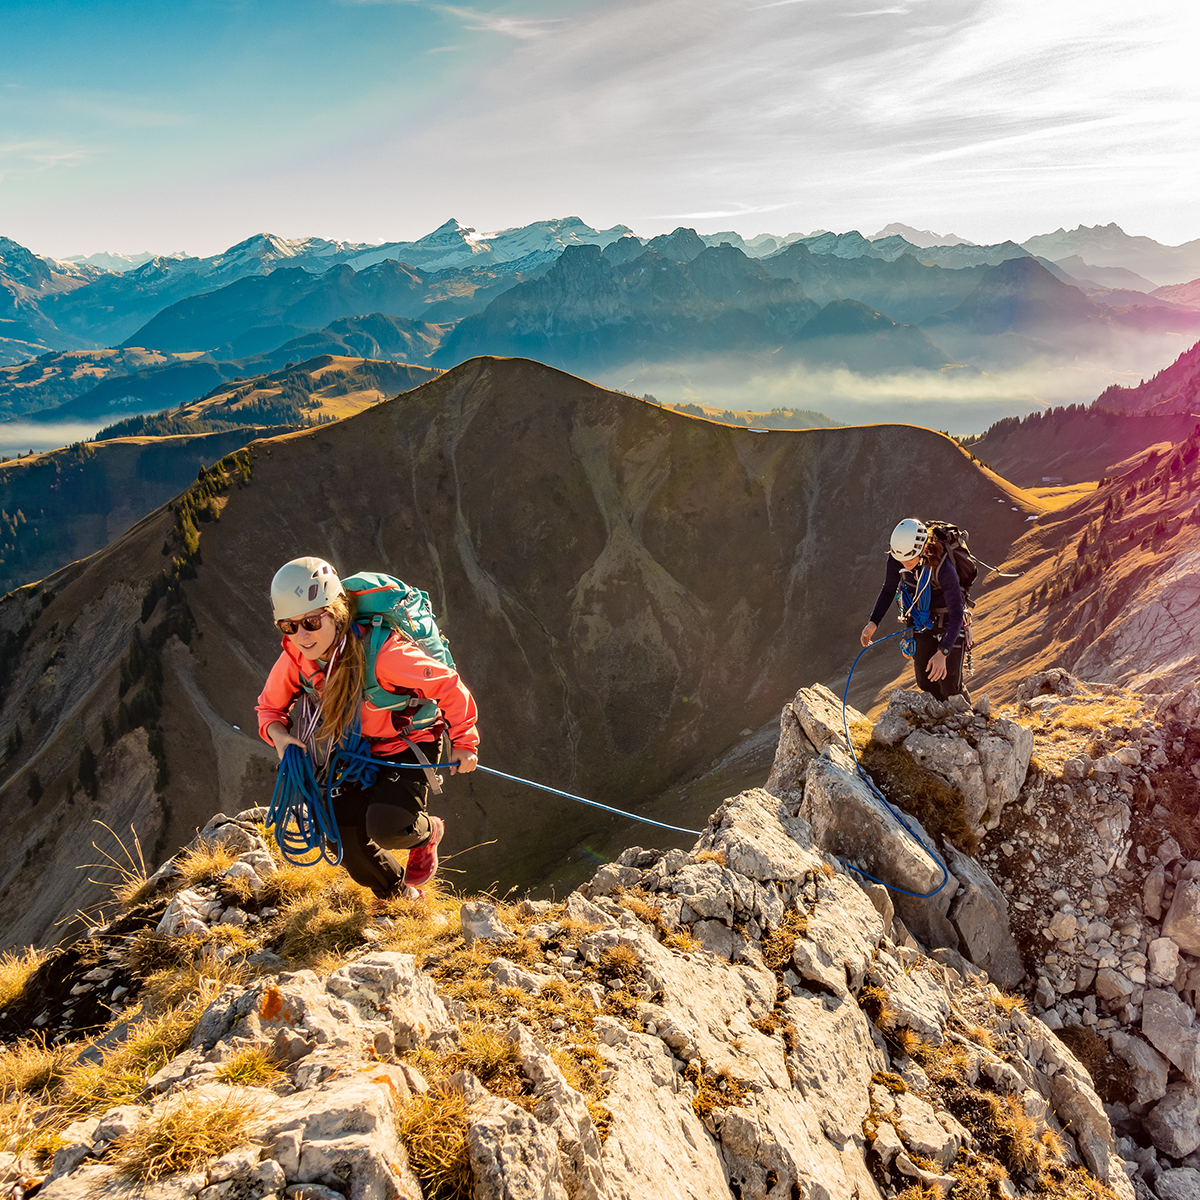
(875, 1003)
(433, 1128)
(149, 951)
(1021, 1147)
(981, 1036)
(204, 863)
(717, 856)
(777, 945)
(1007, 1003)
(16, 1123)
(976, 1177)
(30, 1067)
(318, 925)
(621, 962)
(1059, 497)
(120, 1075)
(640, 904)
(1068, 721)
(252, 1066)
(680, 939)
(173, 986)
(916, 1191)
(190, 1130)
(920, 793)
(15, 970)
(714, 1089)
(130, 886)
(945, 1064)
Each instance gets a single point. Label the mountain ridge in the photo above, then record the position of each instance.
(574, 573)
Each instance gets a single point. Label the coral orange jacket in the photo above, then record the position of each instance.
(401, 666)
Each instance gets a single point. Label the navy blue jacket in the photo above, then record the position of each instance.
(949, 601)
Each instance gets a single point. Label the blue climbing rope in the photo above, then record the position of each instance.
(301, 814)
(590, 803)
(300, 801)
(871, 784)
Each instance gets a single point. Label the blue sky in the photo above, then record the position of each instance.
(190, 124)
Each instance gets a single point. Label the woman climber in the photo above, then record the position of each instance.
(921, 566)
(326, 662)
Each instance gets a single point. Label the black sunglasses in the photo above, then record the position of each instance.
(312, 624)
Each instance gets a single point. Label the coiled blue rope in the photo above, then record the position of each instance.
(891, 808)
(302, 814)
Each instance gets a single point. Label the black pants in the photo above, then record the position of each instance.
(391, 814)
(924, 648)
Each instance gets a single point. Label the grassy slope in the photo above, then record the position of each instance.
(79, 500)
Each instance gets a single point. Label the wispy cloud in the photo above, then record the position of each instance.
(523, 28)
(670, 106)
(720, 214)
(42, 156)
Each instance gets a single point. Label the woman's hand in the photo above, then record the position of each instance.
(278, 734)
(937, 667)
(868, 629)
(464, 760)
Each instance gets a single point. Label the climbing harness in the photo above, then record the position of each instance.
(891, 808)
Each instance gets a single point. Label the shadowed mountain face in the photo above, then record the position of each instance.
(62, 506)
(1110, 246)
(904, 288)
(848, 334)
(374, 336)
(1019, 311)
(287, 297)
(588, 309)
(625, 589)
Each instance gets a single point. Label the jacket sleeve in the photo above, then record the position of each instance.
(887, 593)
(402, 666)
(280, 690)
(952, 592)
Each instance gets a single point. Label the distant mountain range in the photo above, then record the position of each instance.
(584, 299)
(1111, 246)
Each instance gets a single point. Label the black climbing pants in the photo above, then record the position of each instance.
(390, 814)
(925, 645)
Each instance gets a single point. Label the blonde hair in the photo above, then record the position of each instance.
(342, 693)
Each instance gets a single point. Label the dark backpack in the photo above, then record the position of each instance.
(954, 543)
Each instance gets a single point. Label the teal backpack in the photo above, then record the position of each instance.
(388, 605)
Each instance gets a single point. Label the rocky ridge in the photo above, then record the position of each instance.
(739, 1018)
(1087, 878)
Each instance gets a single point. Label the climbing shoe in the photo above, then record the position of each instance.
(423, 861)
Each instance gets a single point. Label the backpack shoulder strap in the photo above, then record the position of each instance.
(421, 714)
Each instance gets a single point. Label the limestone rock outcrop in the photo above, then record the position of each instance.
(755, 1024)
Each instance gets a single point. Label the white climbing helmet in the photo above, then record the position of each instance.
(909, 538)
(301, 585)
